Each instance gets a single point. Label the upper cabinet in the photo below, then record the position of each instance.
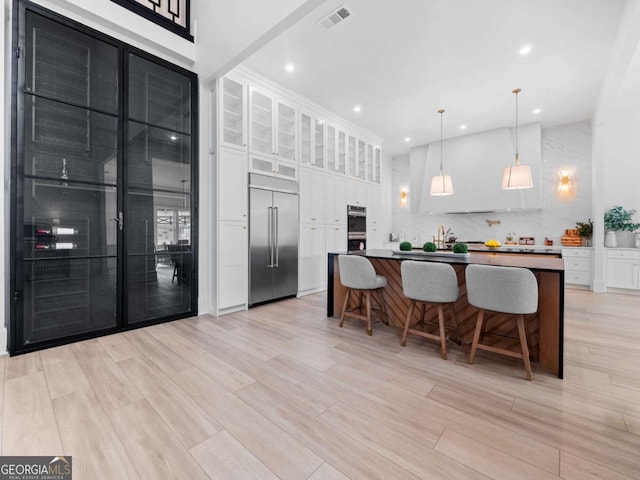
(233, 122)
(273, 126)
(351, 155)
(312, 140)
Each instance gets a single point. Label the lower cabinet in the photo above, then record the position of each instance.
(336, 238)
(577, 265)
(623, 268)
(233, 267)
(311, 273)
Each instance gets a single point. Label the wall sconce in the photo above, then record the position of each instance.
(404, 197)
(565, 189)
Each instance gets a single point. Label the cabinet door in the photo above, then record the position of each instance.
(265, 165)
(232, 115)
(351, 156)
(373, 205)
(375, 237)
(286, 128)
(622, 273)
(232, 264)
(232, 184)
(356, 193)
(377, 164)
(361, 159)
(336, 200)
(370, 163)
(318, 144)
(341, 166)
(311, 196)
(261, 126)
(312, 257)
(336, 238)
(306, 147)
(332, 148)
(286, 170)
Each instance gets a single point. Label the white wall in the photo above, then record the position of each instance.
(564, 148)
(616, 138)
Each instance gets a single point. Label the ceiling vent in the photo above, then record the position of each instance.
(335, 17)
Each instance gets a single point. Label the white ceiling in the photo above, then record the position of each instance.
(403, 60)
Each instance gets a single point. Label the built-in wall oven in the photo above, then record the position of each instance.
(356, 228)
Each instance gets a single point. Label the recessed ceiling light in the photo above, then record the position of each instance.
(463, 127)
(536, 111)
(407, 139)
(525, 50)
(173, 138)
(357, 108)
(290, 67)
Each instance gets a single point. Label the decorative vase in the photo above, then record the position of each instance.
(625, 239)
(637, 240)
(610, 239)
(586, 242)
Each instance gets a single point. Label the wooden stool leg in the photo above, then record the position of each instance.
(529, 346)
(476, 335)
(443, 338)
(523, 345)
(403, 341)
(344, 307)
(368, 295)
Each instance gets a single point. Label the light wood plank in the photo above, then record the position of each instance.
(285, 456)
(577, 468)
(62, 371)
(327, 472)
(223, 456)
(112, 387)
(29, 424)
(190, 423)
(633, 424)
(487, 460)
(118, 347)
(156, 352)
(22, 365)
(89, 437)
(155, 451)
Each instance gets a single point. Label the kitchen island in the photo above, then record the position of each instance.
(546, 326)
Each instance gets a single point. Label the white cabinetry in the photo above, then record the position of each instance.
(312, 201)
(577, 265)
(311, 275)
(273, 126)
(232, 184)
(270, 165)
(232, 265)
(232, 120)
(356, 193)
(312, 140)
(336, 200)
(375, 235)
(623, 268)
(336, 238)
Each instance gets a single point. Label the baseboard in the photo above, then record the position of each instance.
(3, 341)
(312, 291)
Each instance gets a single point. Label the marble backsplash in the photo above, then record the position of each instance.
(565, 148)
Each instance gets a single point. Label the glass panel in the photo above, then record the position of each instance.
(286, 132)
(157, 219)
(377, 164)
(158, 158)
(361, 159)
(159, 285)
(64, 296)
(67, 65)
(232, 106)
(261, 123)
(159, 96)
(305, 140)
(69, 142)
(286, 170)
(341, 152)
(319, 144)
(260, 165)
(331, 148)
(352, 156)
(69, 219)
(370, 160)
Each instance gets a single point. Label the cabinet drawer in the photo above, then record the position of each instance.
(627, 254)
(577, 264)
(576, 252)
(577, 278)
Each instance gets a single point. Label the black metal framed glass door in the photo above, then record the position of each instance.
(102, 149)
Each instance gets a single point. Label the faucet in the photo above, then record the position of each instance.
(441, 234)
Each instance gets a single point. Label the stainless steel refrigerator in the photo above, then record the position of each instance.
(273, 238)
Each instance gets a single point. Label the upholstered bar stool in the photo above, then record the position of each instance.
(510, 290)
(359, 277)
(429, 283)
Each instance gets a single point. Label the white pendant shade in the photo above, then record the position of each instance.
(516, 177)
(441, 185)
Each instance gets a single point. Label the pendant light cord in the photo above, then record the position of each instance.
(441, 142)
(517, 91)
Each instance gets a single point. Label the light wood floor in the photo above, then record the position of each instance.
(282, 392)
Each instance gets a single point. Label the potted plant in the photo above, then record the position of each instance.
(619, 225)
(585, 230)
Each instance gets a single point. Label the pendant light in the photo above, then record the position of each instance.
(517, 176)
(441, 184)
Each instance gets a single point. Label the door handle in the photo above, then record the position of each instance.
(120, 220)
(276, 227)
(270, 236)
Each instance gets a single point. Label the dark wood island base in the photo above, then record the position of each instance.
(546, 326)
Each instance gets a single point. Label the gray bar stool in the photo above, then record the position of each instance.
(359, 276)
(429, 283)
(505, 290)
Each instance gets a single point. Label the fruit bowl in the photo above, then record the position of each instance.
(492, 243)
